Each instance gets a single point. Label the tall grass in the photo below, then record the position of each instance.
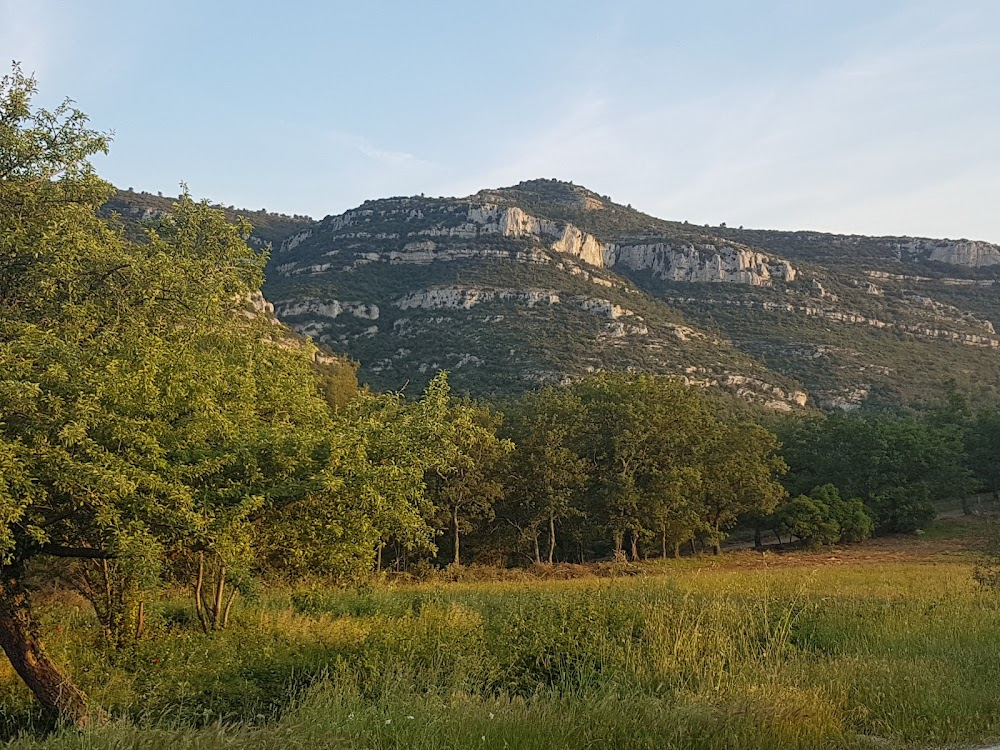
(838, 656)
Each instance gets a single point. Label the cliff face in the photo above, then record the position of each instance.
(546, 281)
(970, 254)
(681, 262)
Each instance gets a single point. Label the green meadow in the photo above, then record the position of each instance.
(890, 645)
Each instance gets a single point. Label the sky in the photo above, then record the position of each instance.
(874, 116)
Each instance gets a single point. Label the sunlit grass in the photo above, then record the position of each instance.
(873, 647)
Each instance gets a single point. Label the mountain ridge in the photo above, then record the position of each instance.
(546, 281)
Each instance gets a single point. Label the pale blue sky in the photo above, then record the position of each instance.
(879, 117)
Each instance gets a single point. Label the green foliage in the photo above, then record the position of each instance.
(854, 522)
(903, 509)
(371, 488)
(807, 519)
(898, 465)
(639, 458)
(822, 517)
(984, 449)
(465, 486)
(547, 477)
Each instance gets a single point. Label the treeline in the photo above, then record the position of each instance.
(635, 466)
(615, 465)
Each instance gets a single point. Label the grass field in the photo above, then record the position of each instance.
(890, 644)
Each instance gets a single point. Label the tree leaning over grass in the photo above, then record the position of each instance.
(140, 392)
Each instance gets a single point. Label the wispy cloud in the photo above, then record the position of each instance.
(383, 156)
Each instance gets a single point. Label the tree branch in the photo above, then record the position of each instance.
(83, 553)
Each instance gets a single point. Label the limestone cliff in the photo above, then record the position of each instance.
(546, 281)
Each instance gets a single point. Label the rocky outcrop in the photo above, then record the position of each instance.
(970, 254)
(331, 309)
(704, 263)
(926, 330)
(681, 262)
(295, 240)
(465, 298)
(846, 399)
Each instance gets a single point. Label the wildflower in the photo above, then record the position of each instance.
(483, 738)
(156, 660)
(409, 717)
(350, 715)
(491, 714)
(388, 721)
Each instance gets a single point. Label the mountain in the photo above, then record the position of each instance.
(546, 281)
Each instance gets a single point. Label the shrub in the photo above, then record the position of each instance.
(807, 519)
(850, 515)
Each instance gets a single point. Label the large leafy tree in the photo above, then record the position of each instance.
(144, 403)
(898, 465)
(370, 489)
(547, 476)
(465, 486)
(739, 476)
(643, 437)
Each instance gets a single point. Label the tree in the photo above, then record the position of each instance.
(677, 511)
(636, 428)
(984, 450)
(646, 439)
(807, 519)
(884, 460)
(739, 473)
(852, 519)
(546, 475)
(370, 490)
(142, 397)
(466, 485)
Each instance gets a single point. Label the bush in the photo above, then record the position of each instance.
(850, 515)
(807, 519)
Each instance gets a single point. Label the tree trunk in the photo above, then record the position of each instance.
(758, 543)
(378, 559)
(663, 539)
(694, 547)
(220, 591)
(677, 550)
(229, 606)
(140, 623)
(454, 518)
(538, 551)
(552, 538)
(635, 546)
(619, 543)
(20, 641)
(199, 606)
